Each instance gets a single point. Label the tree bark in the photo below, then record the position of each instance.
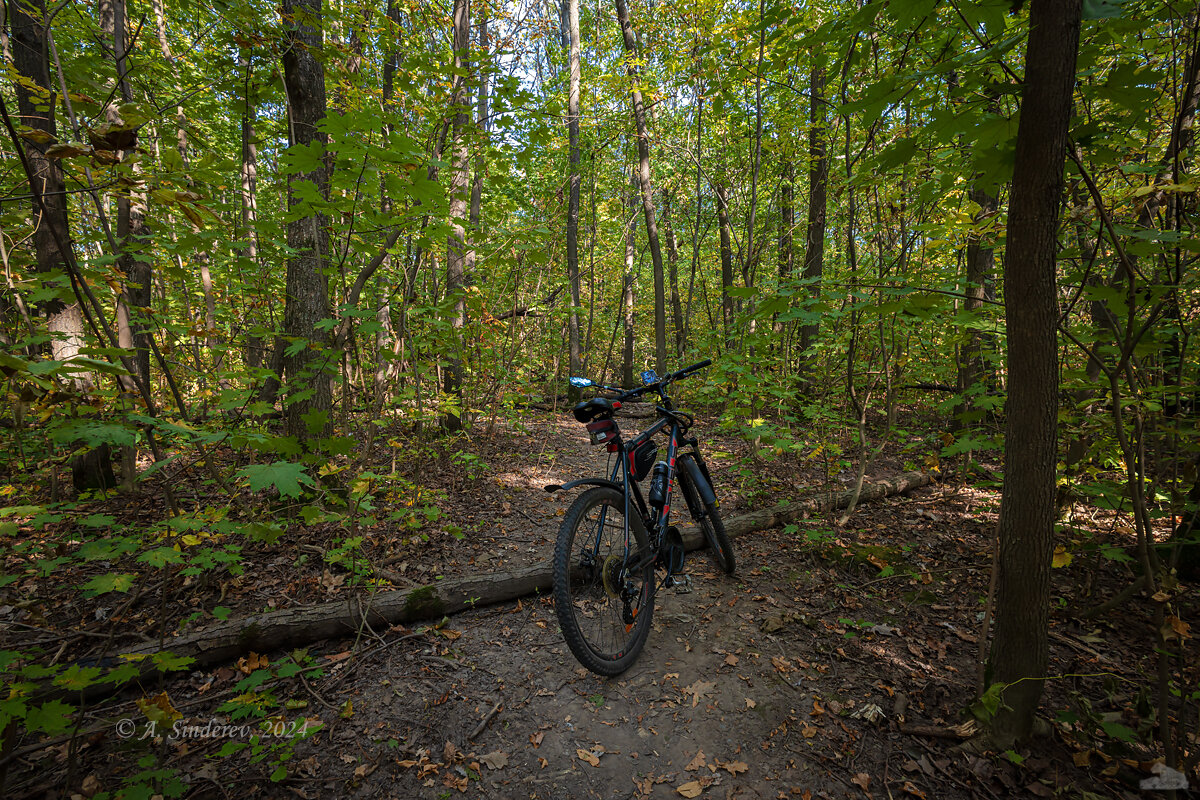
(818, 181)
(574, 354)
(248, 226)
(722, 193)
(51, 224)
(456, 241)
(306, 364)
(627, 287)
(643, 173)
(1019, 650)
(673, 276)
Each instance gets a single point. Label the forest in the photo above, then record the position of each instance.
(291, 298)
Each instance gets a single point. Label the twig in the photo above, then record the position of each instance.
(486, 719)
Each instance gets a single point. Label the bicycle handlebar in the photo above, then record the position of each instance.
(662, 383)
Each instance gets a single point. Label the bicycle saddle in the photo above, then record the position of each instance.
(589, 410)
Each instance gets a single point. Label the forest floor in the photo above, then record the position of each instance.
(834, 663)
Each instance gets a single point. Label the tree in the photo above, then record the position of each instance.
(643, 176)
(1026, 527)
(456, 241)
(575, 357)
(306, 361)
(814, 237)
(51, 226)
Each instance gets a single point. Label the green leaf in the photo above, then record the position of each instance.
(50, 718)
(285, 476)
(109, 582)
(161, 556)
(1118, 731)
(169, 662)
(76, 677)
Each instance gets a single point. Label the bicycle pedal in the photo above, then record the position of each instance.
(682, 584)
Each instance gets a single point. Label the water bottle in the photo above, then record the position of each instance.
(658, 485)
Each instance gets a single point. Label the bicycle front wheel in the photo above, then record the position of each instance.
(718, 541)
(604, 605)
(705, 513)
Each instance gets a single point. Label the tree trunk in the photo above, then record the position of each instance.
(51, 226)
(627, 287)
(456, 241)
(643, 140)
(310, 397)
(295, 627)
(673, 275)
(1019, 649)
(972, 368)
(248, 227)
(575, 356)
(814, 238)
(726, 263)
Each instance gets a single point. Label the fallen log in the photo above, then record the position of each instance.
(295, 627)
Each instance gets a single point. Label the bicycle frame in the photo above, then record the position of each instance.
(657, 521)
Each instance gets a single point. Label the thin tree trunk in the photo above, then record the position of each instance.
(726, 263)
(576, 359)
(673, 275)
(456, 241)
(814, 238)
(643, 143)
(1019, 651)
(627, 286)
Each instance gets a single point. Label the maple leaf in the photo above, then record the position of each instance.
(696, 763)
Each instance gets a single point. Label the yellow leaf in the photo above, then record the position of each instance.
(158, 709)
(347, 710)
(1061, 557)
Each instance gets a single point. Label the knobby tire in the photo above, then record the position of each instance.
(603, 608)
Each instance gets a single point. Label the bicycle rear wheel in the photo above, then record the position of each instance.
(604, 606)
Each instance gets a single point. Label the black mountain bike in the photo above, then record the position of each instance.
(613, 539)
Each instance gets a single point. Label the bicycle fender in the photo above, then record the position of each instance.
(707, 495)
(554, 487)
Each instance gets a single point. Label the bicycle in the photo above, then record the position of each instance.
(613, 539)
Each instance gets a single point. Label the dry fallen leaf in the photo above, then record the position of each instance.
(861, 780)
(698, 690)
(750, 703)
(588, 756)
(495, 759)
(690, 789)
(697, 762)
(731, 660)
(733, 767)
(535, 739)
(911, 788)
